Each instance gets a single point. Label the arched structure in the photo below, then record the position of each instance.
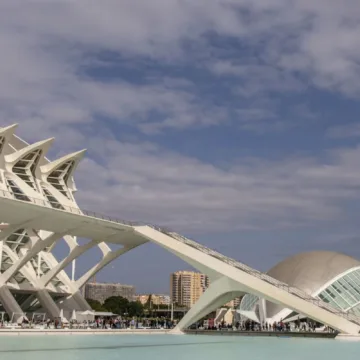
(329, 276)
(38, 208)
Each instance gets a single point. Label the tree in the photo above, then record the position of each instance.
(96, 305)
(135, 308)
(148, 301)
(117, 304)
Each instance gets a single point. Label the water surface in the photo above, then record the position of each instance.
(172, 347)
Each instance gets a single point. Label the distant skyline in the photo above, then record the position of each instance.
(234, 122)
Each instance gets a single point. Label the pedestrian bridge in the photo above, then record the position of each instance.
(229, 278)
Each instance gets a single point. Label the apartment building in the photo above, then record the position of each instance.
(186, 287)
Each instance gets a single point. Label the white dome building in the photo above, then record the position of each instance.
(332, 277)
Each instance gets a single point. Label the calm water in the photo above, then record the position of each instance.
(173, 347)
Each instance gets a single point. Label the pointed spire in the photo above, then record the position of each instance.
(5, 134)
(44, 145)
(8, 130)
(76, 156)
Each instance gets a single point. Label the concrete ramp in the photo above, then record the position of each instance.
(229, 277)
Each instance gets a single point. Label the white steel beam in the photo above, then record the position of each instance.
(74, 254)
(250, 283)
(109, 257)
(38, 246)
(218, 293)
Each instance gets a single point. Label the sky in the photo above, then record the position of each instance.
(233, 122)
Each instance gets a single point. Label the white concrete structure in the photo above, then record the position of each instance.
(38, 209)
(329, 276)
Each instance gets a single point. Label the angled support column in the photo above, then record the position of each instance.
(39, 245)
(1, 251)
(27, 271)
(25, 304)
(74, 253)
(10, 304)
(218, 293)
(262, 310)
(110, 256)
(43, 296)
(80, 301)
(11, 228)
(6, 231)
(48, 303)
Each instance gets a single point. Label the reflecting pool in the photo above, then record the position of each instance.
(172, 347)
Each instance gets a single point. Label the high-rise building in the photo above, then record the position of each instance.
(102, 291)
(186, 287)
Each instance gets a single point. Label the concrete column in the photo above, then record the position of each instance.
(80, 300)
(262, 310)
(74, 254)
(1, 251)
(27, 303)
(10, 304)
(48, 303)
(108, 258)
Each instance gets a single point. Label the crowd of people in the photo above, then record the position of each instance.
(119, 323)
(102, 322)
(249, 325)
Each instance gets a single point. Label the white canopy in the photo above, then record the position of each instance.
(61, 316)
(104, 313)
(88, 312)
(73, 316)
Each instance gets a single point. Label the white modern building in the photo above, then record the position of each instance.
(38, 209)
(328, 276)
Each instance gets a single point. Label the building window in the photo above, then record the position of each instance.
(16, 191)
(52, 199)
(26, 166)
(60, 176)
(6, 262)
(2, 142)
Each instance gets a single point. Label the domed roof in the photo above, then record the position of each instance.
(309, 271)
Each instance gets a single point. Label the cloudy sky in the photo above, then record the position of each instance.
(235, 122)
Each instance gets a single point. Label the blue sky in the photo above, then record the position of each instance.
(235, 122)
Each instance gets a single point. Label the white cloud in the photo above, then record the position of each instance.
(46, 47)
(145, 182)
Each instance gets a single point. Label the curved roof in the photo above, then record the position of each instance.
(310, 271)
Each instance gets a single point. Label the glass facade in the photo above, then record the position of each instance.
(344, 293)
(248, 302)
